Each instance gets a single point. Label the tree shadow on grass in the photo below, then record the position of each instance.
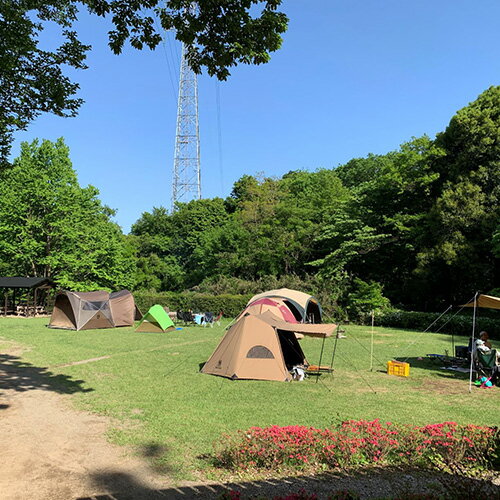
(387, 482)
(20, 376)
(160, 457)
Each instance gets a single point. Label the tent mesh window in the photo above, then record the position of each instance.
(260, 352)
(95, 305)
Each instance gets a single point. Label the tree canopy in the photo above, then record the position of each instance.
(217, 34)
(417, 227)
(52, 227)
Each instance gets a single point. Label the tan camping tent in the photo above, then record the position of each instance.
(261, 347)
(305, 307)
(90, 310)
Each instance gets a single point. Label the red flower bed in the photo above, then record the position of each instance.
(359, 442)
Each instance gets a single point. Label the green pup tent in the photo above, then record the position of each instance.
(155, 320)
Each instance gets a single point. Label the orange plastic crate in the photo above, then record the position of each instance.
(398, 368)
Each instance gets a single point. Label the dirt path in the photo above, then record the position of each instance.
(51, 451)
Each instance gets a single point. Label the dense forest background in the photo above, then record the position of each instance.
(415, 228)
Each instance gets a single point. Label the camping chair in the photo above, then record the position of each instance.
(484, 363)
(208, 319)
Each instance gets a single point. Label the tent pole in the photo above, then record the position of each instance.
(472, 342)
(320, 358)
(371, 344)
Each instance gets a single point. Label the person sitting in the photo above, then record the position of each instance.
(483, 346)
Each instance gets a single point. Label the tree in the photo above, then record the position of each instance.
(32, 79)
(218, 34)
(458, 244)
(52, 227)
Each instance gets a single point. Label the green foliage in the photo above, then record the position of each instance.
(422, 222)
(459, 242)
(32, 78)
(217, 34)
(50, 226)
(230, 305)
(365, 298)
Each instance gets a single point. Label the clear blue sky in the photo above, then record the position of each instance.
(352, 77)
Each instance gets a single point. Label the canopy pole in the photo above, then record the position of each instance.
(371, 344)
(335, 347)
(472, 346)
(320, 357)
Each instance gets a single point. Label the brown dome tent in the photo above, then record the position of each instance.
(304, 307)
(89, 310)
(261, 347)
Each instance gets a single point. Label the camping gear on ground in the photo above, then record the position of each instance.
(398, 368)
(155, 320)
(209, 319)
(262, 347)
(303, 306)
(89, 310)
(461, 351)
(185, 316)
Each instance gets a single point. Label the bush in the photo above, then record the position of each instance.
(231, 305)
(353, 443)
(448, 323)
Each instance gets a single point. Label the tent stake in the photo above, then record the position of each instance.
(472, 342)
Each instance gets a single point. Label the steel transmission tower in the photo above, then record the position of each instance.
(187, 176)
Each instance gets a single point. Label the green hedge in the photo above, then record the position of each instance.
(460, 324)
(231, 305)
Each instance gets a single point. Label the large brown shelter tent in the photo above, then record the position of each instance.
(261, 347)
(89, 310)
(304, 307)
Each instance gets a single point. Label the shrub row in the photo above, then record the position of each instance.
(457, 325)
(353, 443)
(231, 305)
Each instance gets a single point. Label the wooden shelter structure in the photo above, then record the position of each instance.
(24, 296)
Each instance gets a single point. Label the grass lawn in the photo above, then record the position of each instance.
(150, 384)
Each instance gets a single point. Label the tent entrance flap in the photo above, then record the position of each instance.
(290, 347)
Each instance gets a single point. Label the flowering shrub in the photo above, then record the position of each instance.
(360, 442)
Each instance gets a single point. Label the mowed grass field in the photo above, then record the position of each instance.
(149, 383)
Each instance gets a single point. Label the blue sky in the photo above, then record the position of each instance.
(353, 77)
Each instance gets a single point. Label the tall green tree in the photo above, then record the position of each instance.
(52, 227)
(458, 244)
